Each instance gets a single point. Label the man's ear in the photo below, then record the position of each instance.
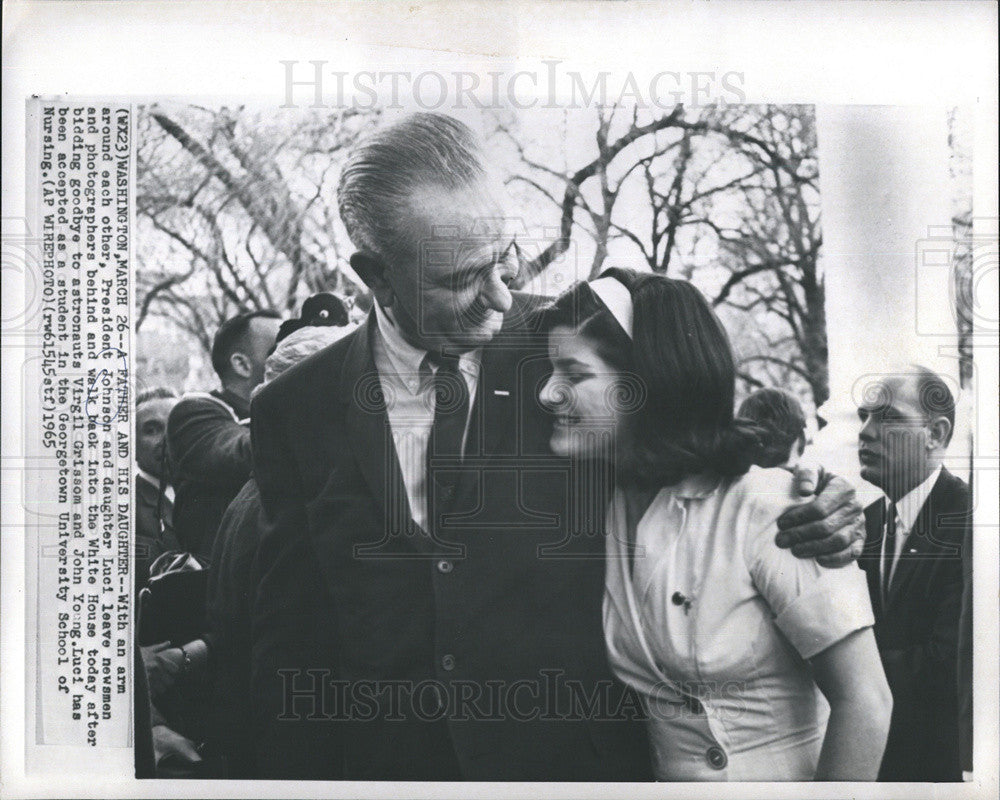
(940, 433)
(372, 270)
(240, 365)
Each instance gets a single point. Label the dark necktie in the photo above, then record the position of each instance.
(890, 550)
(444, 448)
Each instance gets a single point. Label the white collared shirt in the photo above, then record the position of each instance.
(168, 490)
(407, 380)
(907, 511)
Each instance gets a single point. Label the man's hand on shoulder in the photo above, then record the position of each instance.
(830, 527)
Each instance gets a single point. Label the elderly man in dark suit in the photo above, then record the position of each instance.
(429, 588)
(913, 559)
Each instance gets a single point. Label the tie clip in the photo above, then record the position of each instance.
(501, 393)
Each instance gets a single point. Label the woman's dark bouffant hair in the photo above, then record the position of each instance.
(680, 361)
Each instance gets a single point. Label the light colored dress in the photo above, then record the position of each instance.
(714, 625)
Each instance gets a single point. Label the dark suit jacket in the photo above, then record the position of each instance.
(965, 650)
(229, 601)
(210, 460)
(151, 540)
(917, 634)
(403, 635)
(144, 755)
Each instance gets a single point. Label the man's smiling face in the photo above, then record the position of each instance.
(450, 282)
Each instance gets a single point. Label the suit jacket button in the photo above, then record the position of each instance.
(448, 663)
(716, 757)
(445, 567)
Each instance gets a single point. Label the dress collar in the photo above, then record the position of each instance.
(697, 487)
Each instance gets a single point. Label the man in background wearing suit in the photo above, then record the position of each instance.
(427, 607)
(208, 439)
(913, 558)
(154, 496)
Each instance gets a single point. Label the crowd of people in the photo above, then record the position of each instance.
(193, 471)
(488, 536)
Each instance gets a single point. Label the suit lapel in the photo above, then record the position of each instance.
(871, 558)
(920, 543)
(369, 434)
(512, 364)
(489, 421)
(496, 401)
(493, 424)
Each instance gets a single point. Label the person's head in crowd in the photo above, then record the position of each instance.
(907, 419)
(240, 348)
(152, 409)
(323, 321)
(783, 421)
(427, 219)
(642, 364)
(298, 346)
(323, 309)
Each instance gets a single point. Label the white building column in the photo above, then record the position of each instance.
(886, 258)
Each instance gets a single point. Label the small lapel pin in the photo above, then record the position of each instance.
(501, 393)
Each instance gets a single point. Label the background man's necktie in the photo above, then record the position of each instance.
(890, 550)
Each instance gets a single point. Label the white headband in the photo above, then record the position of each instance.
(617, 298)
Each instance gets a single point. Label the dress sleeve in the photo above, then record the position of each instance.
(814, 607)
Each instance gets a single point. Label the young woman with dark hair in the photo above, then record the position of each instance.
(725, 636)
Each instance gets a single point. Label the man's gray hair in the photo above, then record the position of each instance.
(383, 169)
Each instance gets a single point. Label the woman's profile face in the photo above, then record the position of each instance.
(587, 395)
